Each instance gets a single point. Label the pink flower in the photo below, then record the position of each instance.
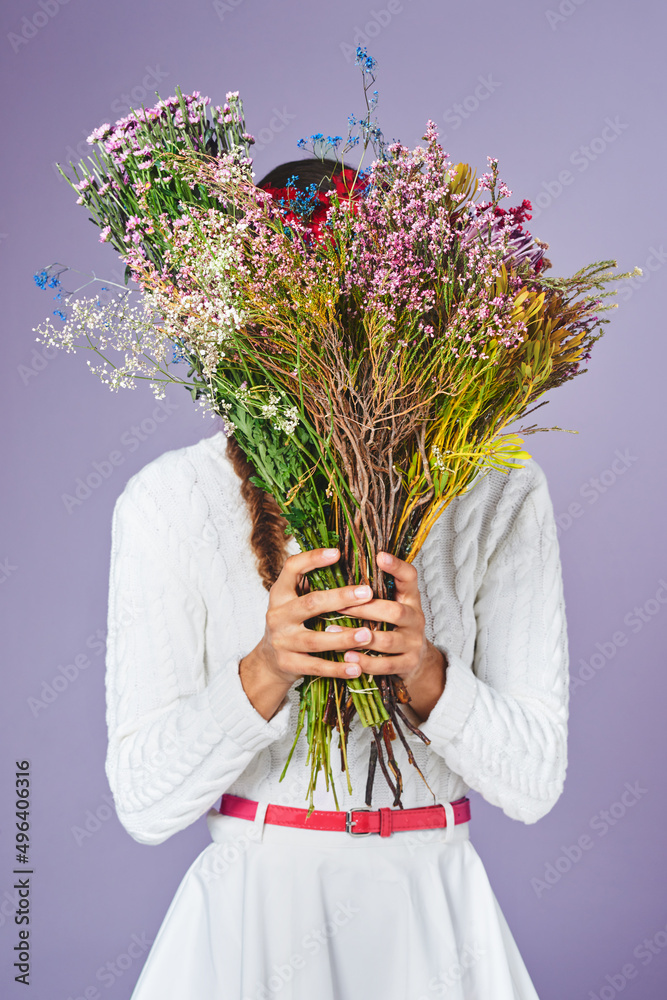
(99, 133)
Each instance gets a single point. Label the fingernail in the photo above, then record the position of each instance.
(351, 657)
(384, 557)
(362, 592)
(330, 553)
(352, 671)
(363, 635)
(333, 628)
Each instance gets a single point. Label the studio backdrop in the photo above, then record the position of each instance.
(570, 96)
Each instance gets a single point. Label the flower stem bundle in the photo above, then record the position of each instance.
(368, 347)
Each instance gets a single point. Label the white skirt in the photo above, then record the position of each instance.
(271, 912)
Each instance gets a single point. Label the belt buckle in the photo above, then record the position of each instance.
(349, 821)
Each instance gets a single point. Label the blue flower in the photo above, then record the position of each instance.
(177, 354)
(44, 280)
(60, 314)
(303, 203)
(367, 63)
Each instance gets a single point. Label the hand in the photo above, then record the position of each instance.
(283, 653)
(408, 653)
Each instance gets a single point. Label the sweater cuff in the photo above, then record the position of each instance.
(238, 717)
(454, 705)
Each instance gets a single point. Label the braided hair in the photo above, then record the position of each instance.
(267, 536)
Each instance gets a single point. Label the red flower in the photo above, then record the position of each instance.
(518, 214)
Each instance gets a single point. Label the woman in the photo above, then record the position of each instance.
(206, 642)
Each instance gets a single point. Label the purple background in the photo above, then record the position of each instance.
(554, 77)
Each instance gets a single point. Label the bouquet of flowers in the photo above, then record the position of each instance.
(366, 345)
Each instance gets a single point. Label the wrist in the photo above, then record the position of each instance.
(264, 685)
(428, 683)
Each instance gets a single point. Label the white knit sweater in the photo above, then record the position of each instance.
(186, 603)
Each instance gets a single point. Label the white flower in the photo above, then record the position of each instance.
(437, 460)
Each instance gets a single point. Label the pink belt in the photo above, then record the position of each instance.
(383, 821)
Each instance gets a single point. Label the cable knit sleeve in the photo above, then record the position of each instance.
(501, 723)
(179, 734)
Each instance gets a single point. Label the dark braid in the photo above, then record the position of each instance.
(267, 537)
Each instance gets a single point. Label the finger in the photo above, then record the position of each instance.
(405, 578)
(392, 612)
(379, 664)
(336, 638)
(320, 602)
(294, 569)
(304, 665)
